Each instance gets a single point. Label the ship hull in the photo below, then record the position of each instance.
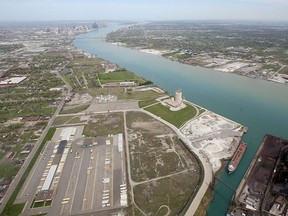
(234, 162)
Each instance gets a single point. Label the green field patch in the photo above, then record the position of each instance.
(119, 76)
(176, 118)
(8, 170)
(15, 210)
(145, 103)
(272, 67)
(68, 120)
(38, 204)
(74, 109)
(2, 154)
(141, 95)
(171, 191)
(48, 203)
(26, 136)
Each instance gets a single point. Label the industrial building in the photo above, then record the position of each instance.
(175, 103)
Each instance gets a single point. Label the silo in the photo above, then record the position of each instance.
(178, 96)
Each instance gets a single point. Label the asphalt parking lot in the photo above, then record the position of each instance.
(92, 176)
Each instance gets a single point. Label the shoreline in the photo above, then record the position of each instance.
(276, 77)
(204, 158)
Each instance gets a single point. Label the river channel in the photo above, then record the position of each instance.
(260, 105)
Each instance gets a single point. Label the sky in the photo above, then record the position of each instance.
(48, 10)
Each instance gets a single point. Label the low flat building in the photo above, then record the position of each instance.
(11, 81)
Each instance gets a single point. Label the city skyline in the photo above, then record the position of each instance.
(45, 10)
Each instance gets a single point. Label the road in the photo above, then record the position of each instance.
(128, 164)
(207, 179)
(23, 168)
(207, 169)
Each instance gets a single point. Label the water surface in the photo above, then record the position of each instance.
(260, 105)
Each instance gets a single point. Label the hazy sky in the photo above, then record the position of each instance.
(11, 10)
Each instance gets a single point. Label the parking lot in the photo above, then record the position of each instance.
(90, 176)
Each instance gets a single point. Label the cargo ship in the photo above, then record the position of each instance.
(237, 157)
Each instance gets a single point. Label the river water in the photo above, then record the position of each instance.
(260, 105)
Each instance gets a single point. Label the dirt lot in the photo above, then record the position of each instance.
(104, 124)
(165, 173)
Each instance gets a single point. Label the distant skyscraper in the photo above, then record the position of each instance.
(95, 25)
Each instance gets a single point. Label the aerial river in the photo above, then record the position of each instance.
(260, 105)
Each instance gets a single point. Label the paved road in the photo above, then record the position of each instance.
(19, 175)
(207, 167)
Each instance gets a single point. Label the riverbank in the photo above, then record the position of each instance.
(239, 67)
(248, 101)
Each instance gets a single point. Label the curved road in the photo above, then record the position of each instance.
(207, 169)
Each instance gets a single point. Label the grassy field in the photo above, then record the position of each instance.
(272, 67)
(74, 109)
(8, 170)
(120, 76)
(176, 118)
(145, 103)
(171, 191)
(67, 120)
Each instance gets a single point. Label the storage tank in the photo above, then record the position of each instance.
(178, 96)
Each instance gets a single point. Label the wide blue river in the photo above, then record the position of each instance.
(260, 105)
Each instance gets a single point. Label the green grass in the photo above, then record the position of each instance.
(176, 118)
(171, 191)
(2, 154)
(74, 109)
(29, 108)
(145, 103)
(8, 170)
(272, 67)
(61, 120)
(26, 136)
(67, 120)
(15, 209)
(38, 205)
(118, 76)
(48, 203)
